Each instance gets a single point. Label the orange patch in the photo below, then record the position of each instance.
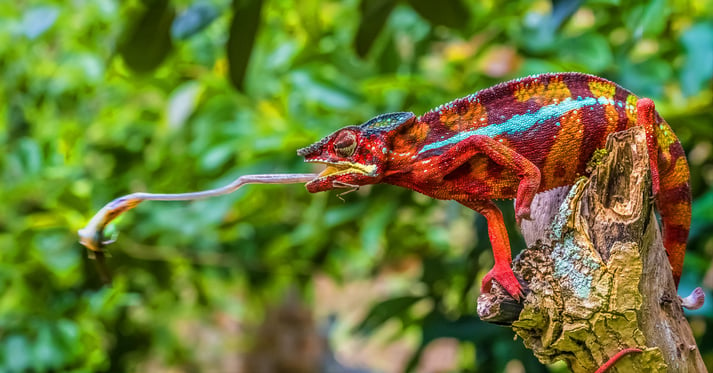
(414, 134)
(612, 117)
(527, 90)
(476, 116)
(555, 91)
(417, 132)
(558, 166)
(680, 219)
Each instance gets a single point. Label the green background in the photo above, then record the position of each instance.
(101, 98)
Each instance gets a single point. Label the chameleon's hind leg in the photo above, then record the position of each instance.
(501, 271)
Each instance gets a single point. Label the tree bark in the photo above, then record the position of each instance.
(596, 274)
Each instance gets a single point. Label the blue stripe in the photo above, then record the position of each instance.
(519, 122)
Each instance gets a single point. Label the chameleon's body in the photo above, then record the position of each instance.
(512, 140)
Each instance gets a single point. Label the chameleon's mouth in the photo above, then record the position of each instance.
(344, 168)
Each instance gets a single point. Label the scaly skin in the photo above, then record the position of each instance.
(512, 140)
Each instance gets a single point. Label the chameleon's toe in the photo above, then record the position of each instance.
(523, 213)
(506, 278)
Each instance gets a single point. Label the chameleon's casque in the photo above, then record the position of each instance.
(512, 140)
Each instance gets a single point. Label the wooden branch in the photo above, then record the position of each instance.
(598, 277)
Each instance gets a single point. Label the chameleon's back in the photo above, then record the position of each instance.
(558, 121)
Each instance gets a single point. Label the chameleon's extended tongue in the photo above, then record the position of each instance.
(92, 236)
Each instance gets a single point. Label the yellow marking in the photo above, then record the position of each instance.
(631, 101)
(555, 91)
(599, 89)
(528, 90)
(664, 135)
(476, 116)
(561, 162)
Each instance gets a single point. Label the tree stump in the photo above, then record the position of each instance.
(596, 274)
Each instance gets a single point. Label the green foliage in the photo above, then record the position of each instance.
(105, 97)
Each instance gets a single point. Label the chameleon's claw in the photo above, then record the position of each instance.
(523, 213)
(506, 278)
(108, 242)
(91, 238)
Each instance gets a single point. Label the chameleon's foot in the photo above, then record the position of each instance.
(522, 213)
(506, 278)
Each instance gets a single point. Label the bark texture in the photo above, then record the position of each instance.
(596, 273)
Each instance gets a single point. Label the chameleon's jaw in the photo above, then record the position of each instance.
(343, 168)
(338, 171)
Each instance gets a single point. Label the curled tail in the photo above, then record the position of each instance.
(670, 176)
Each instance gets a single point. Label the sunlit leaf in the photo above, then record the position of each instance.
(182, 103)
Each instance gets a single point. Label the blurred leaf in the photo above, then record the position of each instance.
(148, 41)
(385, 310)
(452, 13)
(331, 94)
(38, 20)
(243, 30)
(193, 20)
(701, 215)
(697, 42)
(592, 51)
(374, 14)
(465, 328)
(648, 19)
(645, 78)
(542, 28)
(29, 156)
(16, 349)
(182, 103)
(48, 352)
(561, 11)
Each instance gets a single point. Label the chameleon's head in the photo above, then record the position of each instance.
(354, 155)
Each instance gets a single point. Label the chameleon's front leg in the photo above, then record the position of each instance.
(501, 271)
(501, 154)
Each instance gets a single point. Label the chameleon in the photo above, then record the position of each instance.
(512, 140)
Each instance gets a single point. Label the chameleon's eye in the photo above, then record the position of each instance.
(345, 144)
